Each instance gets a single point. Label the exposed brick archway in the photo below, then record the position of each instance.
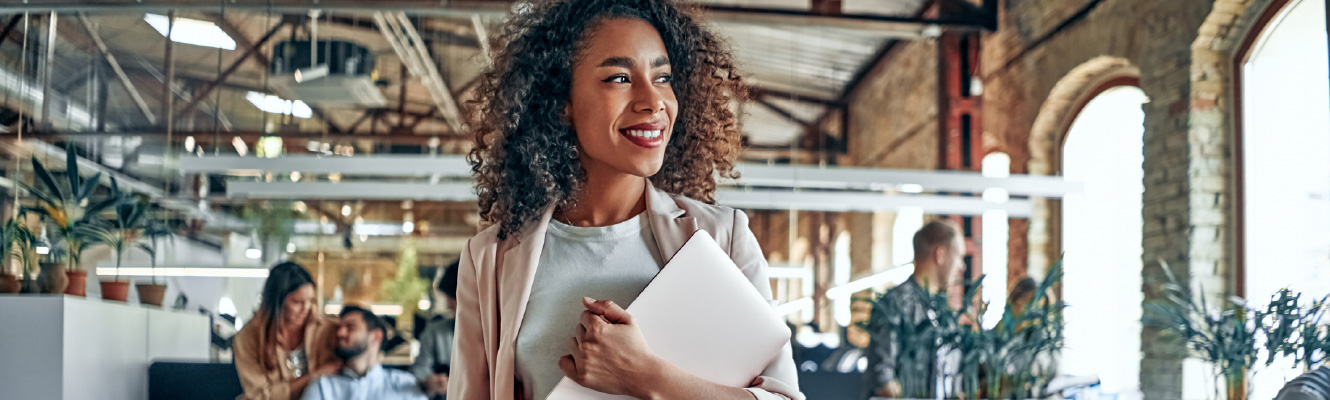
(1049, 132)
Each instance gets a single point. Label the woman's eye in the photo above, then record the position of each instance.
(617, 79)
(665, 79)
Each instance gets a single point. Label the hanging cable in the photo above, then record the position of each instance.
(217, 94)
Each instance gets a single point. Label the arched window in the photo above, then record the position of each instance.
(1101, 239)
(1285, 168)
(994, 240)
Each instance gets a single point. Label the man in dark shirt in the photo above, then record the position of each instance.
(436, 341)
(939, 252)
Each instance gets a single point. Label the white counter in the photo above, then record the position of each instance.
(63, 347)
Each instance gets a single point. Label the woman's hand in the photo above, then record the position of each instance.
(609, 354)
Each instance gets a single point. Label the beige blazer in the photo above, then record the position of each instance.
(494, 283)
(261, 383)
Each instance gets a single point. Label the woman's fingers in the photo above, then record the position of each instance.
(592, 322)
(581, 332)
(575, 348)
(569, 367)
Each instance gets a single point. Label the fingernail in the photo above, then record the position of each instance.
(588, 299)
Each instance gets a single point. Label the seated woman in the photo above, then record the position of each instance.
(601, 128)
(288, 343)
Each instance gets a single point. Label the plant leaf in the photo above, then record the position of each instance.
(49, 180)
(72, 170)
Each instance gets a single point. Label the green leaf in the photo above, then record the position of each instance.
(49, 180)
(72, 170)
(89, 187)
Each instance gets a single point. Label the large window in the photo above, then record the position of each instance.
(1101, 240)
(1286, 165)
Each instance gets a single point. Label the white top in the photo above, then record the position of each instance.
(605, 263)
(378, 383)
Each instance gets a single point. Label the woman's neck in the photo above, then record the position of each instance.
(606, 199)
(291, 334)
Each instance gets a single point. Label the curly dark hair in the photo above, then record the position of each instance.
(525, 156)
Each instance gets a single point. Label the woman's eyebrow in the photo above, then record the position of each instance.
(625, 62)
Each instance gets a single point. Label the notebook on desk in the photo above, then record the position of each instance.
(703, 315)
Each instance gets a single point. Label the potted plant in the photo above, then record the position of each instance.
(1294, 331)
(1011, 360)
(1224, 337)
(1015, 355)
(153, 231)
(65, 204)
(121, 233)
(17, 245)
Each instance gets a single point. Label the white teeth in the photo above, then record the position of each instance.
(645, 134)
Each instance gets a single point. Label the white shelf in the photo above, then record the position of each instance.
(64, 347)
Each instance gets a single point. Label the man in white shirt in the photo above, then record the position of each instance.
(359, 337)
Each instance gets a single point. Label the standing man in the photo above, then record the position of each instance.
(436, 341)
(939, 258)
(360, 335)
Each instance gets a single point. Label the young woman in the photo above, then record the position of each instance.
(287, 343)
(600, 127)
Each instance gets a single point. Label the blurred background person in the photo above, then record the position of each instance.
(360, 339)
(288, 343)
(436, 342)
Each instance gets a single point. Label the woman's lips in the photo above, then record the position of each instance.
(646, 135)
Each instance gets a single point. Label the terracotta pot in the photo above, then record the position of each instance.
(1236, 386)
(9, 284)
(112, 290)
(151, 294)
(58, 280)
(78, 283)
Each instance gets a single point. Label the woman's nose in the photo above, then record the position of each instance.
(648, 99)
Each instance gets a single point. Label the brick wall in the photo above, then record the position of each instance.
(1035, 79)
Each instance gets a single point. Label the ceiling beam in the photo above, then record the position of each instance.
(206, 136)
(260, 59)
(803, 98)
(785, 113)
(431, 37)
(892, 23)
(401, 33)
(115, 66)
(9, 27)
(208, 88)
(428, 7)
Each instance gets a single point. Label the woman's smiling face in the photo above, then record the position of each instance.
(621, 103)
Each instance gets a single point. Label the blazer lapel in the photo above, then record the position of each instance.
(668, 223)
(515, 277)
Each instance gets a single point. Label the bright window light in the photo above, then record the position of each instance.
(192, 31)
(1286, 124)
(1101, 238)
(278, 105)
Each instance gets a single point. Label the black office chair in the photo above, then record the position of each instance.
(193, 380)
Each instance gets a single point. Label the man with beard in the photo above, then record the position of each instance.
(360, 334)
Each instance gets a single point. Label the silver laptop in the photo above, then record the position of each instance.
(702, 314)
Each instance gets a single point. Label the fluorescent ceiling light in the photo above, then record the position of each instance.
(193, 272)
(278, 105)
(192, 31)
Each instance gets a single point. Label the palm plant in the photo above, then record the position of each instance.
(1013, 355)
(126, 230)
(21, 243)
(67, 203)
(1008, 361)
(1224, 337)
(153, 231)
(1291, 330)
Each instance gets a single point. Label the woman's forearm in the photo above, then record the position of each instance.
(675, 383)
